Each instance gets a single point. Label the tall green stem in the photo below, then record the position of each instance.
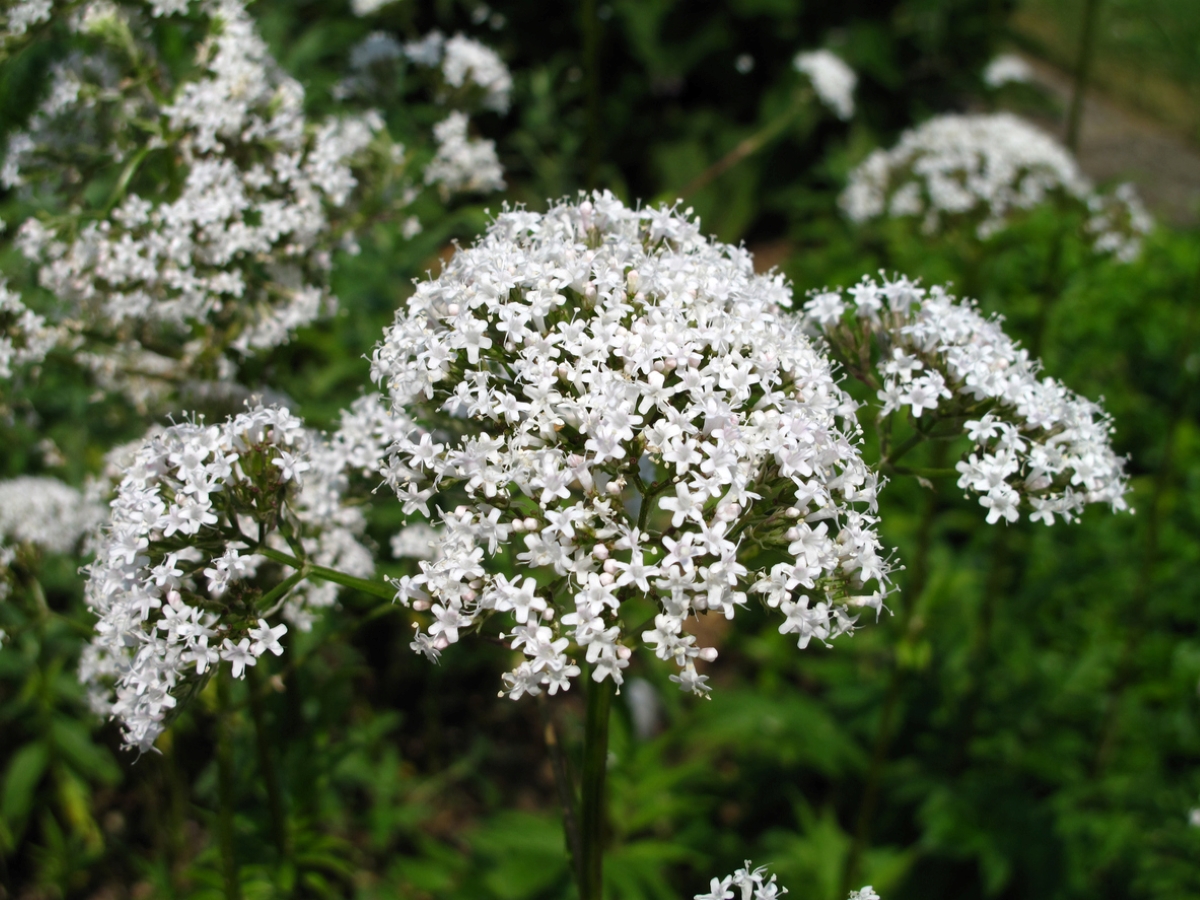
(593, 796)
(1083, 67)
(266, 765)
(225, 795)
(565, 786)
(747, 147)
(909, 625)
(591, 64)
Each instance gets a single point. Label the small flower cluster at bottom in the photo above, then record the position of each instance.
(754, 884)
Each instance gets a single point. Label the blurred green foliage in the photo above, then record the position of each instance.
(1024, 723)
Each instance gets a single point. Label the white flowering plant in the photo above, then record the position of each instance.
(948, 371)
(223, 203)
(213, 531)
(978, 174)
(627, 400)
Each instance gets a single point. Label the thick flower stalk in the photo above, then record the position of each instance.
(214, 531)
(217, 239)
(831, 78)
(1034, 443)
(618, 410)
(980, 171)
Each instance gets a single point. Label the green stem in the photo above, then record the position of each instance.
(225, 795)
(591, 64)
(909, 597)
(595, 770)
(1050, 288)
(565, 787)
(745, 148)
(1087, 46)
(326, 574)
(270, 775)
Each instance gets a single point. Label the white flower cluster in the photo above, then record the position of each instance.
(831, 78)
(1119, 221)
(24, 336)
(23, 14)
(368, 7)
(463, 65)
(1033, 438)
(746, 884)
(624, 400)
(462, 163)
(1007, 68)
(198, 513)
(45, 513)
(240, 253)
(985, 168)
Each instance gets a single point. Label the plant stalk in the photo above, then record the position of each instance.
(747, 147)
(566, 788)
(365, 585)
(225, 794)
(279, 826)
(594, 796)
(1083, 68)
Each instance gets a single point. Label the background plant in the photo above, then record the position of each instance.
(1041, 738)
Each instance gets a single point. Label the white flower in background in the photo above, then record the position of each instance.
(466, 61)
(747, 884)
(240, 252)
(416, 541)
(1034, 441)
(463, 163)
(985, 168)
(46, 513)
(865, 893)
(24, 336)
(22, 15)
(368, 7)
(831, 78)
(1119, 221)
(619, 408)
(1007, 68)
(462, 62)
(204, 520)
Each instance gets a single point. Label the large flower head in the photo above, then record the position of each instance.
(611, 410)
(984, 170)
(211, 534)
(1035, 443)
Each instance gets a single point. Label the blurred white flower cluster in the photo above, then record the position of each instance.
(1034, 440)
(24, 336)
(1007, 68)
(467, 72)
(212, 532)
(831, 78)
(218, 236)
(619, 407)
(44, 513)
(984, 169)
